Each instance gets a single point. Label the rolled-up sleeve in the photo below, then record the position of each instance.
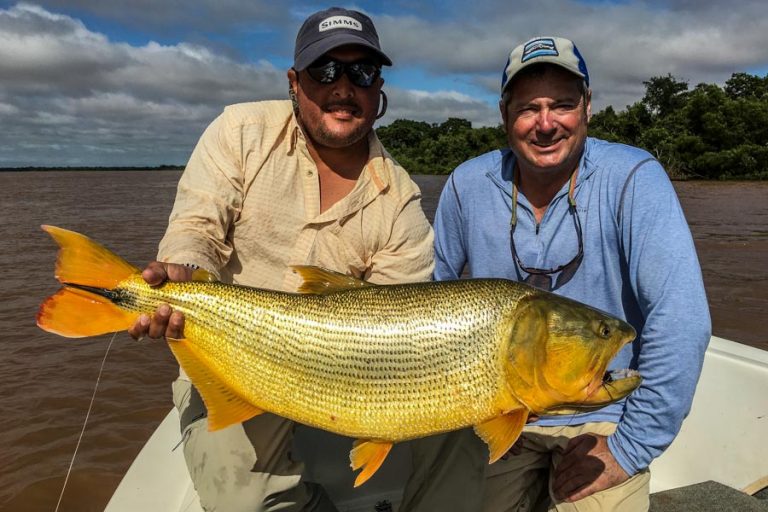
(208, 200)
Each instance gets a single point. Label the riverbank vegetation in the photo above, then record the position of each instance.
(707, 132)
(95, 168)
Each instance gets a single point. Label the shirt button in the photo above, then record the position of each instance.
(309, 173)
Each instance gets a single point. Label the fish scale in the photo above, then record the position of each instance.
(375, 372)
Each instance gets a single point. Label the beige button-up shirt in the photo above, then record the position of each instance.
(248, 206)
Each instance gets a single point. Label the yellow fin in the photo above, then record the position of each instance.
(321, 281)
(85, 262)
(75, 313)
(225, 407)
(368, 455)
(200, 274)
(501, 433)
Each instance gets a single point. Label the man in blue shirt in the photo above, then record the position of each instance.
(597, 222)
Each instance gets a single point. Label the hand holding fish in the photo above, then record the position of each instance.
(164, 322)
(587, 467)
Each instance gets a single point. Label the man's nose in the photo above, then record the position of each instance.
(545, 121)
(343, 87)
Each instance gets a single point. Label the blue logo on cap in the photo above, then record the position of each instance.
(504, 73)
(582, 65)
(543, 47)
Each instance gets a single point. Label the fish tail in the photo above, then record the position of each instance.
(87, 305)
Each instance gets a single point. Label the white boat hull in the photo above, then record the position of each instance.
(725, 436)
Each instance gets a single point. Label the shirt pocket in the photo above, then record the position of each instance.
(342, 250)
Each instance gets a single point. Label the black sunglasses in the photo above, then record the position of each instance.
(362, 73)
(542, 278)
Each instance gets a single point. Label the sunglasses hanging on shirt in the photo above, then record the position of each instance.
(542, 278)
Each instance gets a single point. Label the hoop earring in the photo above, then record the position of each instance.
(383, 105)
(294, 101)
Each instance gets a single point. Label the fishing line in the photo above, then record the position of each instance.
(87, 414)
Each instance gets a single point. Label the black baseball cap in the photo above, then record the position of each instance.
(331, 28)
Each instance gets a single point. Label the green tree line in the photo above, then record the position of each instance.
(708, 132)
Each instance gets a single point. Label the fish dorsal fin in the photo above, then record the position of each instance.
(321, 281)
(200, 274)
(225, 407)
(501, 432)
(368, 455)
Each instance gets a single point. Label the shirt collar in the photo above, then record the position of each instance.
(294, 132)
(373, 181)
(376, 167)
(377, 163)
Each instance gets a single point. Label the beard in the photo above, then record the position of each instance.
(315, 126)
(321, 135)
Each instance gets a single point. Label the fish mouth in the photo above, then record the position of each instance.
(616, 384)
(613, 386)
(618, 375)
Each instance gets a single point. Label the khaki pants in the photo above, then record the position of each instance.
(462, 480)
(244, 467)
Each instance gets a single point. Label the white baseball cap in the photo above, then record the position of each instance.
(548, 49)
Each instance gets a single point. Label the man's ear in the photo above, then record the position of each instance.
(503, 110)
(589, 104)
(293, 84)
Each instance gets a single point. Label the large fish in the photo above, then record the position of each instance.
(380, 364)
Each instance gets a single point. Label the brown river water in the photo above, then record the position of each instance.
(46, 381)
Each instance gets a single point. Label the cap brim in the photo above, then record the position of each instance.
(316, 50)
(542, 60)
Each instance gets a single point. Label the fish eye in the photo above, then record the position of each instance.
(604, 330)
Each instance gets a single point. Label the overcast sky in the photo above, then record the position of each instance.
(135, 82)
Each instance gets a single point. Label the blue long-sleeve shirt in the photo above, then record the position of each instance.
(639, 265)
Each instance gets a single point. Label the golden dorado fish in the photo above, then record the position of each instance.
(380, 364)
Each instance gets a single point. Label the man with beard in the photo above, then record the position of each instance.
(279, 183)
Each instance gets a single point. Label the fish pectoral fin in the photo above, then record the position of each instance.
(501, 432)
(225, 407)
(202, 275)
(321, 281)
(368, 455)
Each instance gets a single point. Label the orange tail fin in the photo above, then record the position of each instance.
(75, 311)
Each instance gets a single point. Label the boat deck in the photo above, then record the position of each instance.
(707, 497)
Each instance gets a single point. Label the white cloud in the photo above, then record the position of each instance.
(623, 43)
(437, 106)
(66, 87)
(74, 94)
(158, 16)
